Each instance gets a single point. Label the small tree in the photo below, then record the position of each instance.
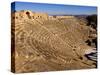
(92, 21)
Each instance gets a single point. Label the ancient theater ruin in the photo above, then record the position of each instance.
(50, 43)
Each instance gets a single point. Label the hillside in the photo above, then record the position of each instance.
(40, 43)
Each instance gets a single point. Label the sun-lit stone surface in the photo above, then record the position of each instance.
(45, 43)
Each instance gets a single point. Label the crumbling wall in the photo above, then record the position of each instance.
(27, 14)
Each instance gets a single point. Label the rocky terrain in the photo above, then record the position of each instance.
(46, 43)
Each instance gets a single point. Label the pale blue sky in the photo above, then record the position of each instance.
(55, 9)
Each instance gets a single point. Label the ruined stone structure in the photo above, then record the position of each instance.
(43, 44)
(60, 17)
(27, 14)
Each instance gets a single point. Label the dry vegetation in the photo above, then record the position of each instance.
(40, 43)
